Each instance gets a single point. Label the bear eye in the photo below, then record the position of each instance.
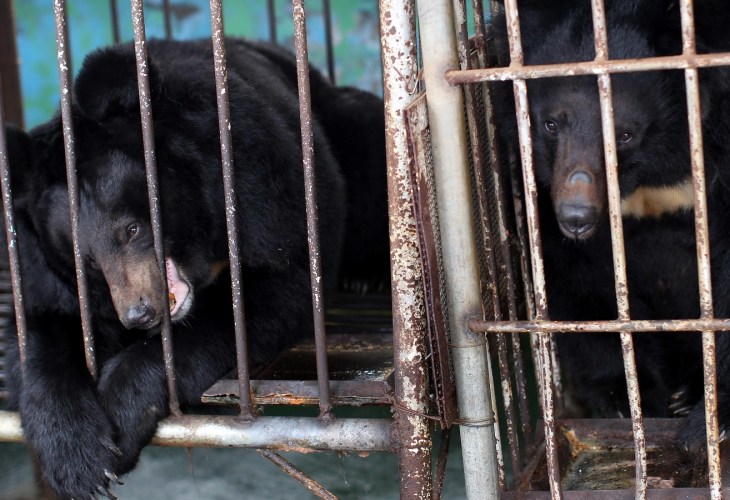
(551, 126)
(132, 230)
(624, 138)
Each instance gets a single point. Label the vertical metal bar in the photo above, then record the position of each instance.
(310, 186)
(694, 116)
(224, 127)
(544, 339)
(150, 161)
(271, 5)
(9, 65)
(617, 243)
(11, 235)
(518, 207)
(453, 190)
(400, 79)
(64, 77)
(327, 12)
(167, 18)
(438, 480)
(506, 267)
(115, 21)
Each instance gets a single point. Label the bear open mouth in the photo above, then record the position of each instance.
(180, 292)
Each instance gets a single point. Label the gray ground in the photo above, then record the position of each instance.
(217, 474)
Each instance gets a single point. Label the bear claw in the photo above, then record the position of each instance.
(105, 492)
(113, 477)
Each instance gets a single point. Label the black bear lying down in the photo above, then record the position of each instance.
(84, 431)
(652, 149)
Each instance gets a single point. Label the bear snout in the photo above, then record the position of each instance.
(577, 221)
(142, 315)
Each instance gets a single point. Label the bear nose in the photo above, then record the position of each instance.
(139, 315)
(577, 220)
(580, 176)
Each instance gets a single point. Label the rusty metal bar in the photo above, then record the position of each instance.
(453, 192)
(11, 235)
(271, 7)
(310, 187)
(167, 19)
(234, 253)
(276, 433)
(697, 61)
(694, 116)
(636, 326)
(115, 21)
(545, 347)
(505, 262)
(9, 65)
(617, 244)
(400, 81)
(438, 480)
(327, 13)
(150, 161)
(292, 471)
(64, 77)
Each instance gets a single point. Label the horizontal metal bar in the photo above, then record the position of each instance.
(636, 326)
(587, 68)
(627, 494)
(278, 433)
(301, 392)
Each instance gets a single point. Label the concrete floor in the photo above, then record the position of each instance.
(218, 474)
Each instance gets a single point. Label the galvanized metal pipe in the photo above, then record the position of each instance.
(229, 189)
(12, 237)
(694, 116)
(277, 433)
(489, 284)
(69, 144)
(310, 190)
(400, 81)
(153, 191)
(453, 191)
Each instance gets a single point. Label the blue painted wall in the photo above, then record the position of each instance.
(356, 38)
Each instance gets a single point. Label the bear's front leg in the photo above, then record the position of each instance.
(133, 385)
(63, 420)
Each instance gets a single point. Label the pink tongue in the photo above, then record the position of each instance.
(175, 286)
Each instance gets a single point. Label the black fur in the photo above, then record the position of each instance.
(80, 429)
(580, 274)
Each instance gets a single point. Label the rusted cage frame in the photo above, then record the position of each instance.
(602, 67)
(351, 434)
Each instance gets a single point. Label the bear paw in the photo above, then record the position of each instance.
(78, 462)
(133, 394)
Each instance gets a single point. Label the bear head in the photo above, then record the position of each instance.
(650, 123)
(114, 230)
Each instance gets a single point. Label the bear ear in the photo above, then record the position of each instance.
(106, 86)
